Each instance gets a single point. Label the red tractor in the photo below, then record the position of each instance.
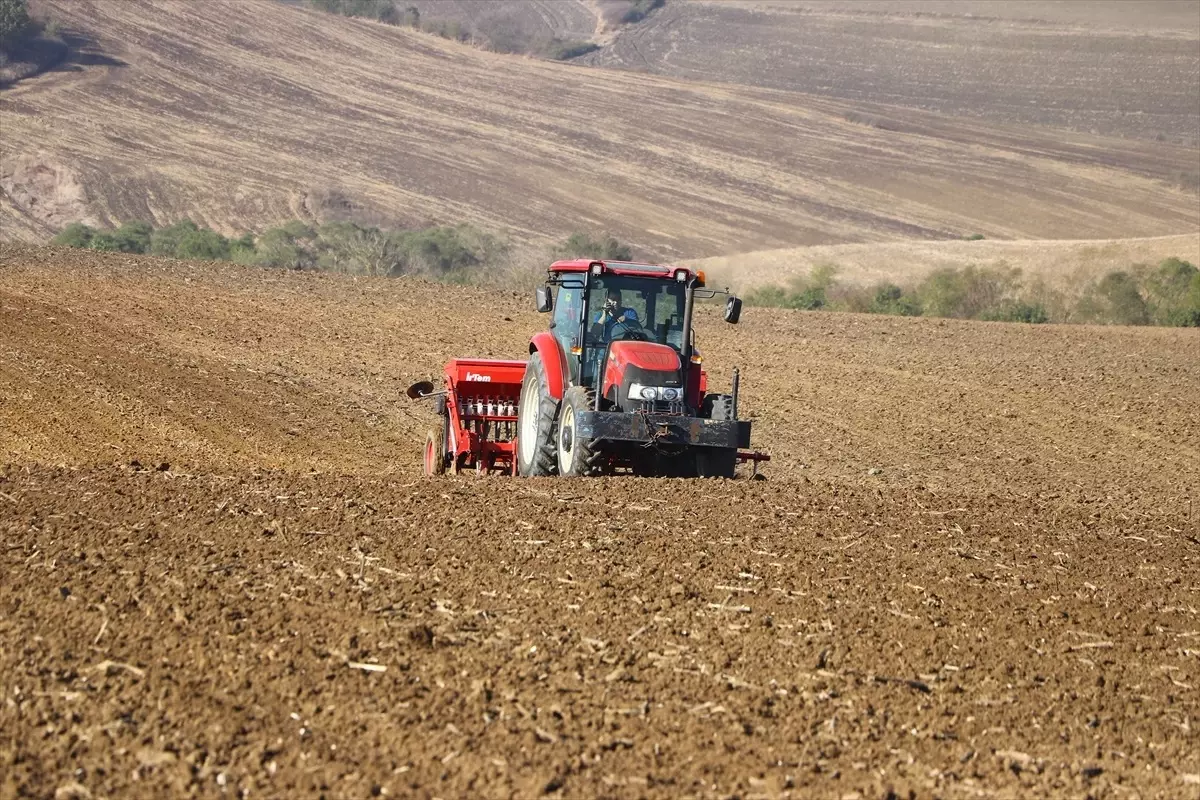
(615, 384)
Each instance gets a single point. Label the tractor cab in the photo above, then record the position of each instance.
(625, 330)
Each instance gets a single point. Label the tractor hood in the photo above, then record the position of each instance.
(644, 364)
(648, 356)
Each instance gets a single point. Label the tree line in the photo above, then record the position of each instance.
(1167, 293)
(460, 252)
(498, 33)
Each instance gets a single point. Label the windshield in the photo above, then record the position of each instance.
(646, 309)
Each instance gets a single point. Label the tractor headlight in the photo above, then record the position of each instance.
(668, 393)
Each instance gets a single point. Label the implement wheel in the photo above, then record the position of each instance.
(536, 415)
(435, 452)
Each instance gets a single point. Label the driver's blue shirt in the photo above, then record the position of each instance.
(610, 320)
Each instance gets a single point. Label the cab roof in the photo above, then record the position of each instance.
(662, 271)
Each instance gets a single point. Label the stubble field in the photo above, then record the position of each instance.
(971, 573)
(244, 115)
(1125, 69)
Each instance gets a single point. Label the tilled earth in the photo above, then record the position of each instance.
(972, 571)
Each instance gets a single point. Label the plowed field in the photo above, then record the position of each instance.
(973, 571)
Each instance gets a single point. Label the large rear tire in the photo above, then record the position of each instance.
(577, 455)
(536, 416)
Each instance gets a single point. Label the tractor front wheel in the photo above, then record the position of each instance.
(576, 454)
(536, 415)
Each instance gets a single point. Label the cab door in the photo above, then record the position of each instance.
(567, 324)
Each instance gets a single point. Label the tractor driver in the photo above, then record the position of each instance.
(615, 314)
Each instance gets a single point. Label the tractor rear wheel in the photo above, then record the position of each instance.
(536, 415)
(577, 455)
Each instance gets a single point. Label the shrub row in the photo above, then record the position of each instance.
(1166, 294)
(461, 253)
(497, 34)
(638, 10)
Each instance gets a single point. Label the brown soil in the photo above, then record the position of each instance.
(223, 575)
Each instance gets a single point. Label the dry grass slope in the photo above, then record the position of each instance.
(245, 114)
(1066, 264)
(1125, 68)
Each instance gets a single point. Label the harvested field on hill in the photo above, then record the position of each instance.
(1122, 69)
(972, 573)
(248, 114)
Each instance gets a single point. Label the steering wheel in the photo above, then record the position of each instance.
(632, 334)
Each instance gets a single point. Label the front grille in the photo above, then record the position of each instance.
(674, 407)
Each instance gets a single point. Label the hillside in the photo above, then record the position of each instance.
(1120, 67)
(225, 574)
(1068, 264)
(241, 115)
(1127, 68)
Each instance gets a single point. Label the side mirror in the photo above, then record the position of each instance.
(733, 310)
(544, 301)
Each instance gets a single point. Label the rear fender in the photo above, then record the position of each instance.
(697, 385)
(553, 359)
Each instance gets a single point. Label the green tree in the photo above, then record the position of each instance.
(808, 299)
(1116, 300)
(639, 10)
(967, 293)
(298, 230)
(346, 247)
(381, 10)
(1190, 316)
(165, 241)
(14, 22)
(105, 242)
(278, 247)
(134, 237)
(1016, 311)
(203, 245)
(890, 299)
(435, 250)
(74, 235)
(767, 296)
(1167, 291)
